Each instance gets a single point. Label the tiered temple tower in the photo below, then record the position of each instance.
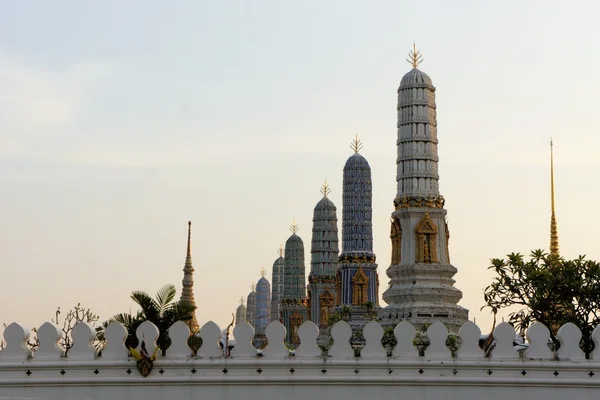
(293, 304)
(187, 292)
(251, 306)
(262, 309)
(357, 281)
(277, 286)
(324, 261)
(421, 286)
(553, 225)
(240, 312)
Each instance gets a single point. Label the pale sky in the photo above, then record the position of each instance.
(122, 120)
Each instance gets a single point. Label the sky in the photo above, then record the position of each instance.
(122, 120)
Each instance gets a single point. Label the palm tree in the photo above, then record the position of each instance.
(161, 310)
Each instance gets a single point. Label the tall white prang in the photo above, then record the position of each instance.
(421, 288)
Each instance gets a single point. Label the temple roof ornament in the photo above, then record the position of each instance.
(294, 227)
(356, 144)
(414, 57)
(242, 300)
(280, 250)
(263, 272)
(553, 226)
(325, 189)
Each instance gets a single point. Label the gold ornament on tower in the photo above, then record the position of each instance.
(414, 57)
(426, 235)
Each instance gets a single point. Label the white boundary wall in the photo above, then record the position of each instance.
(537, 373)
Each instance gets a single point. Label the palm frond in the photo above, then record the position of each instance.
(165, 296)
(150, 308)
(123, 318)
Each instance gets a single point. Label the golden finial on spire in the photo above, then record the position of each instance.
(553, 225)
(253, 287)
(356, 144)
(294, 228)
(263, 272)
(189, 241)
(325, 190)
(414, 57)
(280, 250)
(242, 300)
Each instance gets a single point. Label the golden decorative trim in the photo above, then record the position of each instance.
(321, 279)
(360, 287)
(357, 258)
(417, 201)
(426, 235)
(280, 250)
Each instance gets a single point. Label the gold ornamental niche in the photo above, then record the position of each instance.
(295, 322)
(396, 236)
(426, 235)
(326, 301)
(360, 284)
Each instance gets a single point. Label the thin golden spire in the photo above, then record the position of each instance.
(325, 190)
(414, 57)
(253, 287)
(280, 250)
(263, 272)
(189, 242)
(553, 225)
(242, 300)
(294, 228)
(356, 144)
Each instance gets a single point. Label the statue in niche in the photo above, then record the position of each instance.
(360, 283)
(426, 249)
(396, 236)
(326, 304)
(426, 234)
(295, 322)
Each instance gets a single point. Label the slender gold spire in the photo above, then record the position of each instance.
(263, 272)
(414, 57)
(242, 300)
(294, 228)
(187, 292)
(189, 242)
(325, 190)
(280, 250)
(553, 225)
(356, 144)
(253, 287)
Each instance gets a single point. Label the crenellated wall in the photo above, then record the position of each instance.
(535, 373)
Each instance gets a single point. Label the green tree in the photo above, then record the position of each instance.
(548, 289)
(161, 310)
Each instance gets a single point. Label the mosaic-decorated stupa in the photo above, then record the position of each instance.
(324, 261)
(293, 304)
